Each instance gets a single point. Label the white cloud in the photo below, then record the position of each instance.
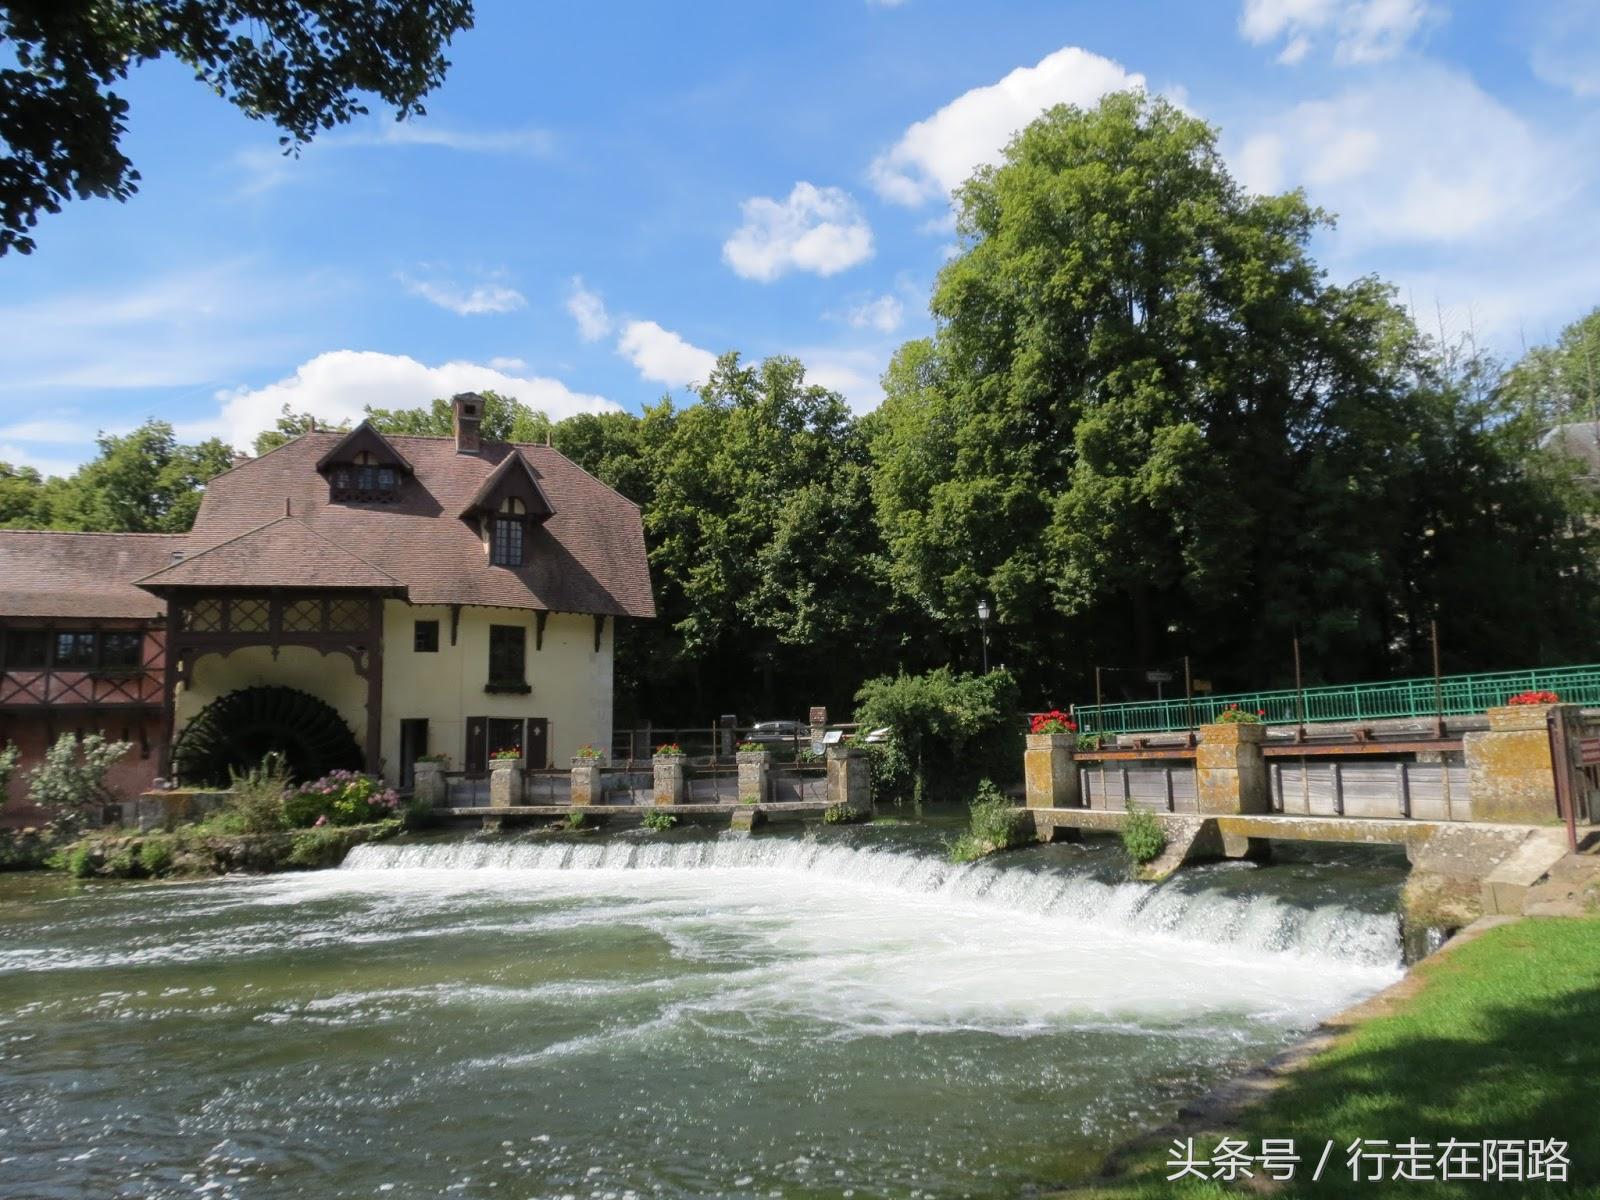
(530, 142)
(883, 313)
(588, 310)
(1566, 45)
(662, 356)
(937, 154)
(815, 229)
(508, 364)
(338, 385)
(1422, 155)
(852, 372)
(1362, 31)
(466, 301)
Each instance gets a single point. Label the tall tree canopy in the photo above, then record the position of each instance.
(1148, 426)
(305, 66)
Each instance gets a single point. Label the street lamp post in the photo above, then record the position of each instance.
(983, 628)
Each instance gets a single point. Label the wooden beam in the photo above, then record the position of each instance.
(539, 619)
(599, 630)
(455, 622)
(374, 748)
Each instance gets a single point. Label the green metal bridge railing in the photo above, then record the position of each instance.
(1457, 695)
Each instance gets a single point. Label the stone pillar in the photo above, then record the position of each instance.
(1510, 776)
(428, 783)
(669, 769)
(505, 782)
(586, 787)
(849, 778)
(755, 769)
(1049, 772)
(1231, 777)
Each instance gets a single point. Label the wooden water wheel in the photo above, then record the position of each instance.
(236, 731)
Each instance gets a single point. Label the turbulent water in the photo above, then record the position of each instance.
(824, 1015)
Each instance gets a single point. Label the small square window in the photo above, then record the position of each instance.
(75, 649)
(425, 637)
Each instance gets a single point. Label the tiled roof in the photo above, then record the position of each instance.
(589, 557)
(45, 574)
(281, 553)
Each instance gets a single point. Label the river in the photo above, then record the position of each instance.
(831, 1013)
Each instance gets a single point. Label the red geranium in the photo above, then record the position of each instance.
(1535, 698)
(1054, 721)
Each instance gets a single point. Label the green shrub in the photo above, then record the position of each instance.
(954, 729)
(257, 801)
(577, 819)
(341, 798)
(155, 856)
(123, 864)
(9, 755)
(994, 824)
(79, 862)
(659, 820)
(890, 771)
(72, 777)
(1142, 836)
(842, 814)
(1089, 741)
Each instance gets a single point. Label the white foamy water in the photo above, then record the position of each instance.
(893, 940)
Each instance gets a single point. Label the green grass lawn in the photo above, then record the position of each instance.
(1502, 1042)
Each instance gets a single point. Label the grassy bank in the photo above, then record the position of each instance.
(1494, 1040)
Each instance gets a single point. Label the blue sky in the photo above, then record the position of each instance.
(601, 197)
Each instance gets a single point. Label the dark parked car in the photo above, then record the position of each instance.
(779, 732)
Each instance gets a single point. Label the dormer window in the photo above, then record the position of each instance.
(506, 536)
(363, 468)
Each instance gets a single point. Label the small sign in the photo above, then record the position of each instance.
(1201, 687)
(819, 717)
(1589, 752)
(832, 737)
(1158, 676)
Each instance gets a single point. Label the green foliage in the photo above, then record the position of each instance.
(578, 819)
(504, 419)
(890, 771)
(9, 754)
(145, 481)
(659, 819)
(842, 814)
(1088, 741)
(1148, 426)
(1142, 836)
(326, 845)
(1234, 715)
(290, 425)
(994, 823)
(305, 67)
(341, 798)
(79, 862)
(155, 856)
(257, 800)
(953, 728)
(72, 776)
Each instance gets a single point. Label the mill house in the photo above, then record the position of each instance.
(350, 599)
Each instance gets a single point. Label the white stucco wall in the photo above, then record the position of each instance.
(571, 681)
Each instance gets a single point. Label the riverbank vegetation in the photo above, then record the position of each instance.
(1488, 1041)
(1142, 836)
(994, 824)
(1143, 399)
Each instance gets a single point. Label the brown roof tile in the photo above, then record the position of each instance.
(589, 557)
(47, 574)
(281, 553)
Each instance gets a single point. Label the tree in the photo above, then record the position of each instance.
(1559, 383)
(504, 419)
(21, 491)
(290, 425)
(145, 481)
(953, 728)
(303, 66)
(72, 777)
(1147, 425)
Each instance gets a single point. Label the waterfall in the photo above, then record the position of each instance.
(1261, 923)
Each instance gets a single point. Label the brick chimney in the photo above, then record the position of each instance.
(468, 410)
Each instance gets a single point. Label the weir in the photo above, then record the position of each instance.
(1256, 923)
